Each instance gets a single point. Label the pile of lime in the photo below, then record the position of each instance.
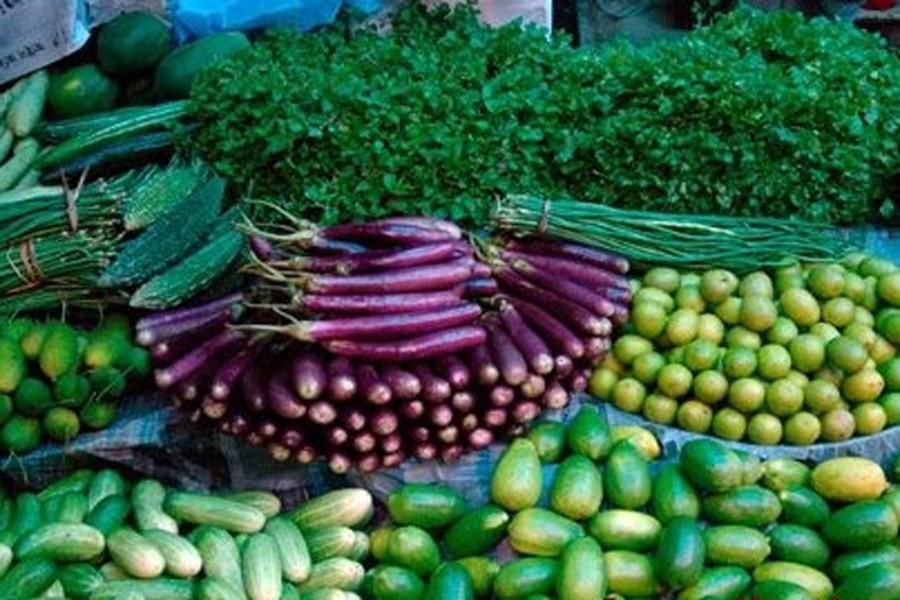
(56, 380)
(798, 355)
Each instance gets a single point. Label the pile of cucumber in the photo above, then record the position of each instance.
(605, 521)
(95, 536)
(21, 107)
(56, 379)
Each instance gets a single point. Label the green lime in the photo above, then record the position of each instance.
(629, 347)
(870, 417)
(854, 287)
(710, 387)
(72, 390)
(800, 306)
(662, 278)
(773, 362)
(871, 300)
(33, 397)
(873, 266)
(891, 405)
(863, 334)
(782, 332)
(646, 367)
(882, 350)
(807, 352)
(98, 415)
(839, 311)
(747, 395)
(648, 319)
(660, 409)
(825, 331)
(611, 363)
(675, 356)
(846, 354)
(787, 281)
(826, 281)
(800, 379)
(61, 424)
(690, 279)
(710, 327)
(890, 371)
(758, 313)
(700, 355)
(729, 311)
(863, 386)
(802, 429)
(838, 425)
(784, 398)
(729, 424)
(628, 394)
(688, 296)
(739, 362)
(889, 288)
(863, 316)
(6, 408)
(674, 380)
(648, 294)
(757, 283)
(764, 429)
(682, 326)
(889, 327)
(739, 337)
(853, 260)
(601, 383)
(21, 434)
(717, 285)
(694, 416)
(832, 374)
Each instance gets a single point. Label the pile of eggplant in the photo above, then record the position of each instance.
(370, 343)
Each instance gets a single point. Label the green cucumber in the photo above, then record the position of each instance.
(183, 560)
(213, 588)
(147, 498)
(816, 583)
(477, 532)
(104, 483)
(845, 564)
(221, 557)
(261, 564)
(348, 507)
(292, 547)
(875, 582)
(340, 573)
(427, 506)
(28, 579)
(778, 590)
(62, 542)
(201, 509)
(267, 502)
(110, 514)
(156, 589)
(135, 555)
(80, 580)
(329, 542)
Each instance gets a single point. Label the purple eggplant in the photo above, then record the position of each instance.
(404, 384)
(158, 322)
(480, 287)
(386, 231)
(470, 422)
(533, 386)
(530, 344)
(278, 451)
(372, 389)
(394, 459)
(440, 415)
(501, 396)
(575, 252)
(570, 269)
(562, 366)
(341, 381)
(495, 418)
(434, 388)
(354, 419)
(228, 375)
(374, 260)
(337, 436)
(463, 402)
(526, 411)
(291, 438)
(557, 334)
(391, 443)
(384, 422)
(253, 391)
(451, 453)
(282, 400)
(412, 409)
(322, 412)
(430, 345)
(415, 279)
(214, 408)
(555, 397)
(480, 438)
(339, 463)
(506, 355)
(306, 455)
(368, 463)
(307, 376)
(198, 358)
(379, 304)
(568, 289)
(482, 366)
(425, 452)
(364, 442)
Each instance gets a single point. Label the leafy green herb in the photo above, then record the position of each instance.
(759, 114)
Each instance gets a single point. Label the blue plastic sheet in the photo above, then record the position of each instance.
(197, 18)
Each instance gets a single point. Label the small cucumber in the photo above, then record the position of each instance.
(80, 580)
(110, 514)
(201, 509)
(718, 582)
(147, 498)
(414, 549)
(105, 483)
(135, 555)
(73, 508)
(340, 573)
(182, 558)
(262, 568)
(626, 477)
(330, 542)
(213, 588)
(292, 547)
(736, 545)
(156, 589)
(816, 583)
(341, 508)
(26, 107)
(482, 571)
(267, 502)
(618, 529)
(631, 574)
(749, 505)
(430, 507)
(517, 479)
(803, 506)
(221, 557)
(62, 542)
(28, 579)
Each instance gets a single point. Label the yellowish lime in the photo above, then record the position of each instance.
(890, 328)
(717, 285)
(682, 326)
(877, 267)
(882, 350)
(821, 396)
(837, 425)
(802, 429)
(700, 355)
(739, 362)
(646, 367)
(675, 355)
(746, 395)
(602, 382)
(870, 418)
(660, 409)
(839, 311)
(741, 337)
(628, 394)
(648, 319)
(854, 287)
(864, 386)
(782, 332)
(662, 278)
(788, 280)
(863, 334)
(798, 378)
(694, 416)
(854, 260)
(826, 281)
(629, 347)
(764, 429)
(674, 380)
(690, 279)
(648, 294)
(710, 387)
(807, 353)
(864, 316)
(729, 311)
(688, 296)
(757, 283)
(832, 374)
(890, 372)
(891, 405)
(826, 331)
(710, 327)
(773, 362)
(870, 300)
(846, 354)
(611, 363)
(729, 424)
(784, 398)
(758, 313)
(800, 306)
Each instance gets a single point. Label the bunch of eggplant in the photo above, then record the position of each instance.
(367, 344)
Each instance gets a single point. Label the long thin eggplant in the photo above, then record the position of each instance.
(482, 366)
(506, 355)
(282, 400)
(470, 422)
(584, 254)
(267, 429)
(384, 422)
(364, 442)
(403, 383)
(291, 438)
(480, 438)
(306, 455)
(441, 343)
(322, 412)
(171, 349)
(570, 269)
(571, 290)
(574, 314)
(372, 389)
(530, 344)
(416, 279)
(555, 397)
(595, 348)
(501, 395)
(420, 433)
(577, 382)
(434, 388)
(526, 411)
(440, 415)
(391, 443)
(341, 381)
(480, 287)
(384, 231)
(463, 402)
(337, 436)
(412, 409)
(373, 260)
(278, 451)
(553, 331)
(308, 377)
(339, 463)
(253, 391)
(425, 452)
(228, 375)
(448, 227)
(239, 424)
(455, 372)
(394, 459)
(495, 418)
(451, 453)
(198, 326)
(448, 434)
(379, 304)
(562, 365)
(199, 357)
(368, 463)
(188, 313)
(214, 408)
(354, 419)
(533, 386)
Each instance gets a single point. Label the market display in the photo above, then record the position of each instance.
(373, 342)
(420, 265)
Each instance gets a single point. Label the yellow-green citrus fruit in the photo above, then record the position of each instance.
(648, 295)
(863, 334)
(807, 353)
(890, 372)
(758, 313)
(846, 354)
(674, 380)
(648, 319)
(628, 394)
(682, 326)
(782, 332)
(688, 296)
(826, 331)
(826, 281)
(870, 417)
(757, 283)
(863, 386)
(602, 382)
(717, 285)
(740, 337)
(801, 307)
(746, 395)
(662, 278)
(729, 311)
(839, 311)
(784, 398)
(739, 362)
(694, 416)
(729, 424)
(710, 387)
(764, 429)
(891, 405)
(773, 362)
(889, 288)
(660, 409)
(700, 355)
(802, 429)
(646, 367)
(837, 425)
(710, 327)
(629, 347)
(875, 267)
(821, 396)
(854, 287)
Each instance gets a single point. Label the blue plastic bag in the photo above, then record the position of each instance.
(197, 18)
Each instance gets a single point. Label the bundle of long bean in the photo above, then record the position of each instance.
(677, 240)
(369, 343)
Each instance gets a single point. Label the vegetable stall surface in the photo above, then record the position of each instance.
(370, 343)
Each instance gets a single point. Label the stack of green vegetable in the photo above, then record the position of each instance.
(21, 107)
(54, 378)
(795, 355)
(712, 524)
(96, 536)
